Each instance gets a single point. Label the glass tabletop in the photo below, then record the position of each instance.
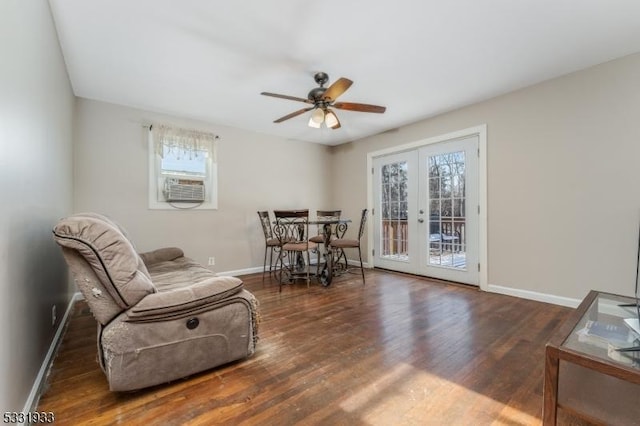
(608, 324)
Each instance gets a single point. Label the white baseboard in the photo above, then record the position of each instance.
(239, 272)
(32, 400)
(532, 295)
(357, 263)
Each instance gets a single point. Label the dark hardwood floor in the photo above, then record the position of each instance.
(399, 350)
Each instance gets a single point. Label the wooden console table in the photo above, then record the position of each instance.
(583, 375)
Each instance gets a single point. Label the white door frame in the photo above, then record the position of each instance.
(479, 131)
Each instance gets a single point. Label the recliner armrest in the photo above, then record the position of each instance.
(184, 301)
(161, 255)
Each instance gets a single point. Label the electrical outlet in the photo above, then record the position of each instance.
(53, 316)
(212, 261)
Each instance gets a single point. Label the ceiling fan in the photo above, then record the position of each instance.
(322, 100)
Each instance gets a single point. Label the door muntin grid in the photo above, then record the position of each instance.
(394, 239)
(447, 210)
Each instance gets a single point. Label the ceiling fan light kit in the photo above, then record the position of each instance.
(313, 123)
(326, 116)
(331, 120)
(322, 98)
(317, 117)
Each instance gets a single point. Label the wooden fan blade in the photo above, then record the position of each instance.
(336, 89)
(350, 106)
(293, 114)
(291, 98)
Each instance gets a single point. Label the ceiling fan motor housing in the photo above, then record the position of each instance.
(316, 94)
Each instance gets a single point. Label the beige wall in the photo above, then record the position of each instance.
(563, 179)
(36, 112)
(256, 172)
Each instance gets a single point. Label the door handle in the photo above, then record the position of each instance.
(420, 220)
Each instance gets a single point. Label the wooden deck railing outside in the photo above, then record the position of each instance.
(395, 235)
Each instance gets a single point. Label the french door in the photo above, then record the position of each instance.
(426, 211)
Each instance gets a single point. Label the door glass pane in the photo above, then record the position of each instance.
(447, 218)
(434, 187)
(393, 208)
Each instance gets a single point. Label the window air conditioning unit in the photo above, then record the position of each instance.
(184, 190)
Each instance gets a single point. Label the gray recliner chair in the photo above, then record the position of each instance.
(161, 316)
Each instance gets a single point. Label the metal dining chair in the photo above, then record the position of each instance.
(271, 243)
(344, 243)
(292, 231)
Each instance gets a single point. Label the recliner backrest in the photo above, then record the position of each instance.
(107, 269)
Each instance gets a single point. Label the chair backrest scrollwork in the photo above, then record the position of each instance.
(291, 225)
(266, 224)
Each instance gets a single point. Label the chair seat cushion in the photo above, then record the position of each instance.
(345, 243)
(304, 246)
(271, 242)
(317, 239)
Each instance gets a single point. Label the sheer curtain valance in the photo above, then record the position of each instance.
(183, 142)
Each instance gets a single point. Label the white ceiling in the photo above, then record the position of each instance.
(209, 60)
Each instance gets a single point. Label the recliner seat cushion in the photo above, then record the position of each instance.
(177, 273)
(183, 301)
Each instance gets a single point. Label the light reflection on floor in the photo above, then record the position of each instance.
(413, 392)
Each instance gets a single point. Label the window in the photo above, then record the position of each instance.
(182, 169)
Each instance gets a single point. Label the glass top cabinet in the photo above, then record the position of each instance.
(587, 375)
